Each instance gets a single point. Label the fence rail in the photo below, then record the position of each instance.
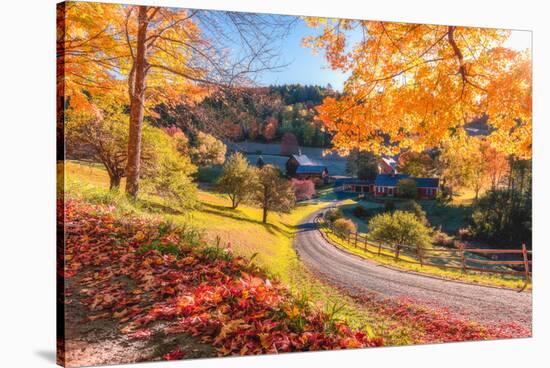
(423, 256)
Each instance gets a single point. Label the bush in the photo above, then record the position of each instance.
(342, 227)
(503, 216)
(360, 211)
(303, 189)
(416, 209)
(442, 239)
(389, 206)
(406, 188)
(465, 233)
(333, 214)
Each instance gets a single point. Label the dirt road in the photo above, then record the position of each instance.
(364, 277)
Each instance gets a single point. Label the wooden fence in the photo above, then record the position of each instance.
(462, 256)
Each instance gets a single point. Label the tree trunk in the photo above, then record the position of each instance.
(114, 182)
(137, 97)
(264, 219)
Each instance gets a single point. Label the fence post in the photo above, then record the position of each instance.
(365, 242)
(349, 237)
(379, 247)
(356, 239)
(462, 259)
(419, 252)
(397, 249)
(525, 262)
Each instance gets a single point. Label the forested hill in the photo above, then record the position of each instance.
(260, 114)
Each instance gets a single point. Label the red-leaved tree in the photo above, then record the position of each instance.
(289, 144)
(303, 189)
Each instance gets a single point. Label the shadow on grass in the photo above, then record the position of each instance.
(235, 214)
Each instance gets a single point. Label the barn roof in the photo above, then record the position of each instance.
(303, 160)
(310, 169)
(390, 162)
(356, 181)
(427, 182)
(388, 180)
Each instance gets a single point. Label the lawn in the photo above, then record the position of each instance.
(449, 217)
(270, 245)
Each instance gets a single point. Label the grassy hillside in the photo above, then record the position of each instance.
(270, 245)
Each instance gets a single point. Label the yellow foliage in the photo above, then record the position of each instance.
(415, 86)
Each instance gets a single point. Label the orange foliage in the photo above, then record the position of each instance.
(414, 86)
(96, 45)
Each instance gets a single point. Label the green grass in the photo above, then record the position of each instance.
(449, 217)
(387, 258)
(209, 174)
(270, 244)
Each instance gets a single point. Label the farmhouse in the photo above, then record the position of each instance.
(385, 183)
(301, 167)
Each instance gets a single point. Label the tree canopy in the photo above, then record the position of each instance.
(414, 86)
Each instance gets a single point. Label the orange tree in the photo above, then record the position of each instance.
(413, 86)
(146, 55)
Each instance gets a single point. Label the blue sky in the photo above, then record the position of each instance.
(306, 68)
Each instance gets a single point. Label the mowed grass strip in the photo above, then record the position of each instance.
(386, 257)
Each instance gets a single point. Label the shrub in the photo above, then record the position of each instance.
(333, 214)
(406, 188)
(342, 227)
(360, 211)
(464, 233)
(303, 189)
(416, 209)
(442, 239)
(389, 206)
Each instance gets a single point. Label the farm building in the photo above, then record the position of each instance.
(354, 185)
(385, 184)
(301, 167)
(387, 165)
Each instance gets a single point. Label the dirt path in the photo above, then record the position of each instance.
(359, 276)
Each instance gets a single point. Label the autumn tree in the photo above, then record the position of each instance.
(303, 189)
(149, 54)
(415, 86)
(362, 164)
(207, 150)
(289, 144)
(101, 134)
(238, 179)
(407, 188)
(274, 192)
(456, 166)
(270, 128)
(416, 164)
(399, 228)
(496, 165)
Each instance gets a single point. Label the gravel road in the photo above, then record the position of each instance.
(358, 276)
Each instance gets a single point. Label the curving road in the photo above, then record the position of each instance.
(363, 277)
